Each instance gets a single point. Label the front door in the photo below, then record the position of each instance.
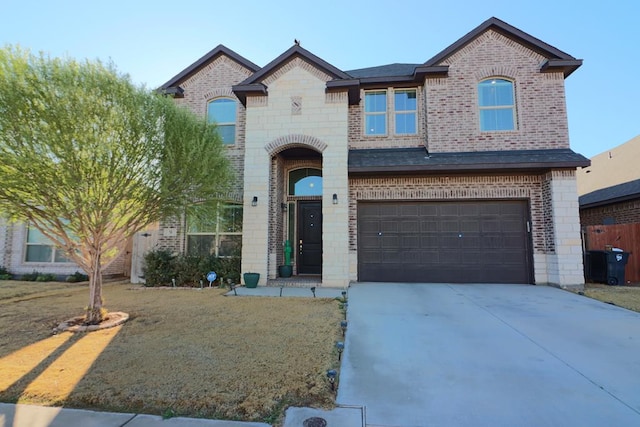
(309, 237)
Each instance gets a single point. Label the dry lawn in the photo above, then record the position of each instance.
(623, 296)
(183, 352)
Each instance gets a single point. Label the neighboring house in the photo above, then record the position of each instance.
(609, 201)
(457, 169)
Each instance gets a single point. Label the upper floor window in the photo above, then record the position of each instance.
(222, 112)
(496, 102)
(405, 111)
(375, 112)
(39, 248)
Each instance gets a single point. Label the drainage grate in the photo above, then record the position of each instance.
(314, 422)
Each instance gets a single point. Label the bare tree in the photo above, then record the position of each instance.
(88, 158)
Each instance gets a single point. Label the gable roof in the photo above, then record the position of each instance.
(253, 83)
(172, 86)
(614, 194)
(556, 59)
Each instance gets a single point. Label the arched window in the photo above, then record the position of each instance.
(222, 112)
(496, 102)
(305, 182)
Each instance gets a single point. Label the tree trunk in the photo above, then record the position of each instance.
(95, 312)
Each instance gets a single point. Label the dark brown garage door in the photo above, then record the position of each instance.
(444, 242)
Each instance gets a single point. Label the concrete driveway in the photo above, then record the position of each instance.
(489, 355)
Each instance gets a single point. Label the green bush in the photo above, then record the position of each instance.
(158, 268)
(4, 273)
(30, 277)
(77, 277)
(187, 270)
(45, 277)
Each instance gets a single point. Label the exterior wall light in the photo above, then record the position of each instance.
(335, 199)
(254, 202)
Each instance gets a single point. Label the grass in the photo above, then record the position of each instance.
(623, 296)
(184, 352)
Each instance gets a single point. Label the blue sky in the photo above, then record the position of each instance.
(154, 40)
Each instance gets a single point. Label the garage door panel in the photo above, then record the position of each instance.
(389, 226)
(454, 242)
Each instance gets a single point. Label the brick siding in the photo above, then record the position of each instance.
(452, 111)
(622, 213)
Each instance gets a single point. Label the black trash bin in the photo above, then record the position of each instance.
(616, 263)
(606, 266)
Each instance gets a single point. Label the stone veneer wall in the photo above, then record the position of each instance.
(565, 263)
(562, 229)
(452, 102)
(621, 213)
(296, 113)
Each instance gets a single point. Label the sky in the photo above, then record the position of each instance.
(152, 41)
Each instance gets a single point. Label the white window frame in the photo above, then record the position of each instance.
(54, 249)
(511, 107)
(397, 112)
(376, 113)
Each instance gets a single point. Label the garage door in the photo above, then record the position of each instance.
(444, 242)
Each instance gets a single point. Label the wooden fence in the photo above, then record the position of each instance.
(623, 236)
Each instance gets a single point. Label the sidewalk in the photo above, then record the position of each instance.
(40, 416)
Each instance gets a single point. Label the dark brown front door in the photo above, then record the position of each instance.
(444, 242)
(309, 237)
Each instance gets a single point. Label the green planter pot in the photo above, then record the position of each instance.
(285, 270)
(251, 279)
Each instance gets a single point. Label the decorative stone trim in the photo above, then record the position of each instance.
(219, 92)
(257, 101)
(291, 140)
(295, 63)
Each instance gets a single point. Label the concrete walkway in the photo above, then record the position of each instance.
(489, 355)
(39, 416)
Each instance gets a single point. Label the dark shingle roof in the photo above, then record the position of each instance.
(390, 70)
(613, 194)
(394, 160)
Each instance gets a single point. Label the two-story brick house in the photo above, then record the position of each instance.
(457, 169)
(453, 170)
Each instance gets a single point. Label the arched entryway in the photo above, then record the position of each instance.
(296, 189)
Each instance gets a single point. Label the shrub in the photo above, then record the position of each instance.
(77, 277)
(188, 270)
(158, 268)
(45, 277)
(30, 277)
(4, 273)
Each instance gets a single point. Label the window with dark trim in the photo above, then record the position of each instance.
(222, 112)
(218, 234)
